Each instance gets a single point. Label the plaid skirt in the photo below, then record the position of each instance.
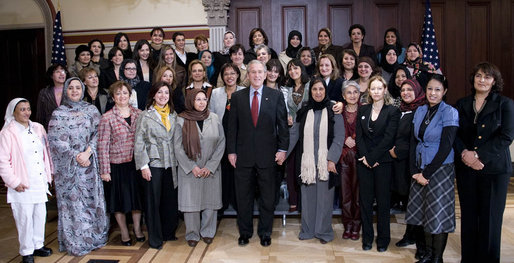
(433, 206)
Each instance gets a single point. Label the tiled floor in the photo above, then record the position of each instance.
(285, 247)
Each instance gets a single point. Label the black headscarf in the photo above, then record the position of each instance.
(290, 50)
(383, 63)
(311, 104)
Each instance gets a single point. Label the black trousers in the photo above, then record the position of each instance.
(482, 202)
(228, 189)
(161, 207)
(375, 184)
(247, 178)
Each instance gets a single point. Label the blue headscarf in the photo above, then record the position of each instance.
(210, 69)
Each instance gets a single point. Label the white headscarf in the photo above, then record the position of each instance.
(9, 112)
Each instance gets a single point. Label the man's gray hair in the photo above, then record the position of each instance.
(255, 61)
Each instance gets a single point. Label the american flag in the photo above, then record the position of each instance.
(58, 52)
(428, 41)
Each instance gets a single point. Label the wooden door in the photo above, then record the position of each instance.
(467, 31)
(23, 67)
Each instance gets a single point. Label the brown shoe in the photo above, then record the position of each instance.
(192, 243)
(207, 240)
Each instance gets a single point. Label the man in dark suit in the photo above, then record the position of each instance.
(183, 58)
(258, 139)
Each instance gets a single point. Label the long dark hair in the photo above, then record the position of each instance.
(394, 89)
(139, 45)
(50, 73)
(101, 44)
(304, 77)
(255, 30)
(117, 38)
(398, 43)
(275, 63)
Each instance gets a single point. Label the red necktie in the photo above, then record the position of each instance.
(255, 108)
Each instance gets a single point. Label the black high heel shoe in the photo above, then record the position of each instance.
(140, 239)
(127, 243)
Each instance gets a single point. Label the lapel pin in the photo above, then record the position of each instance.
(363, 117)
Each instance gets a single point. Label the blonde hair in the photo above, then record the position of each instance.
(335, 71)
(388, 100)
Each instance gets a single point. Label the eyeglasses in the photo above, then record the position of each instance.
(130, 69)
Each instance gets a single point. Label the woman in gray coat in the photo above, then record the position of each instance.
(199, 147)
(155, 157)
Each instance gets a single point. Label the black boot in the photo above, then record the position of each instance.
(438, 246)
(408, 237)
(421, 246)
(427, 258)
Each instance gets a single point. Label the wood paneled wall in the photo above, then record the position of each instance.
(467, 31)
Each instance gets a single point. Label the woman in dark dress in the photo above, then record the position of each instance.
(413, 96)
(486, 129)
(431, 202)
(377, 124)
(117, 168)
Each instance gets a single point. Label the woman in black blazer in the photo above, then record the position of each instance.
(145, 63)
(486, 129)
(357, 32)
(111, 74)
(377, 123)
(325, 45)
